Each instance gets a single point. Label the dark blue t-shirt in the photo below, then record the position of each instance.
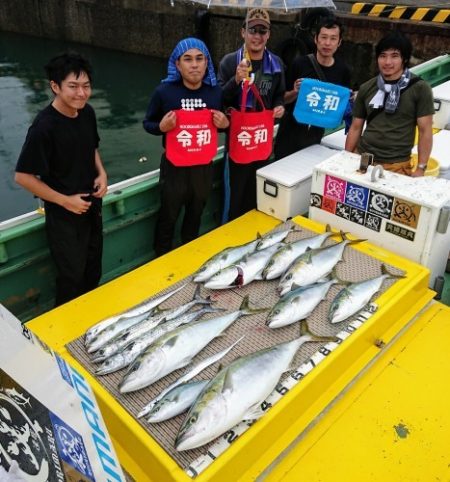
(175, 95)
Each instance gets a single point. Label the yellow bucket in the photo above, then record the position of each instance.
(432, 166)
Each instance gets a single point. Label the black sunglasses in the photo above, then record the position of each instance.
(260, 30)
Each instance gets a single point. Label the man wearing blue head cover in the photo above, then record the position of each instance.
(190, 85)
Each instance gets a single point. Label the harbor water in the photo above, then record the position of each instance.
(122, 86)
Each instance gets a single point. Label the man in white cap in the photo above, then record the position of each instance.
(253, 60)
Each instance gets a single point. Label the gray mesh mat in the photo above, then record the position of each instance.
(355, 266)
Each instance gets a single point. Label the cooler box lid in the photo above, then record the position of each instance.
(336, 140)
(426, 190)
(297, 167)
(442, 91)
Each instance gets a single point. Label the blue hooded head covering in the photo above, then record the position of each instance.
(182, 47)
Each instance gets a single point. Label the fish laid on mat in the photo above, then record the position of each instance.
(140, 309)
(124, 337)
(229, 256)
(244, 271)
(223, 259)
(284, 257)
(298, 304)
(191, 373)
(176, 401)
(236, 393)
(313, 265)
(134, 348)
(177, 348)
(355, 296)
(274, 237)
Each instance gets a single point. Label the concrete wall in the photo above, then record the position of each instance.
(152, 27)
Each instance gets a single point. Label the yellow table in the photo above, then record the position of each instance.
(261, 448)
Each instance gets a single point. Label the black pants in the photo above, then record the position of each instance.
(188, 187)
(293, 136)
(76, 246)
(243, 187)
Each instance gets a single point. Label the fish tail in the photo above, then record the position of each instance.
(199, 298)
(350, 241)
(356, 241)
(334, 276)
(312, 337)
(246, 310)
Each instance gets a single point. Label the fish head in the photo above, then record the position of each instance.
(285, 283)
(212, 266)
(112, 364)
(158, 411)
(203, 423)
(223, 279)
(204, 273)
(280, 315)
(267, 272)
(338, 311)
(144, 370)
(276, 266)
(275, 318)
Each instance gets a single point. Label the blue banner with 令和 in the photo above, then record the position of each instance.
(321, 104)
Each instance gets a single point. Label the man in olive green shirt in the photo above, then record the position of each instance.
(390, 106)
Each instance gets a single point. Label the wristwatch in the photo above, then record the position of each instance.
(422, 166)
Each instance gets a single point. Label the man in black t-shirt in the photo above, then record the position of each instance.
(293, 136)
(60, 164)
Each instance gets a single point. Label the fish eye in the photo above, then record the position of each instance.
(193, 419)
(276, 312)
(289, 276)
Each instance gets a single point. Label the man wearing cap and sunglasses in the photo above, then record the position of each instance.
(255, 62)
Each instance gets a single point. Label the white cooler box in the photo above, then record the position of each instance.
(441, 94)
(283, 187)
(406, 215)
(441, 152)
(336, 140)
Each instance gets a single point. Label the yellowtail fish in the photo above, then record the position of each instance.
(353, 297)
(244, 271)
(124, 337)
(191, 373)
(177, 348)
(297, 304)
(236, 393)
(134, 348)
(313, 265)
(142, 308)
(284, 257)
(176, 401)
